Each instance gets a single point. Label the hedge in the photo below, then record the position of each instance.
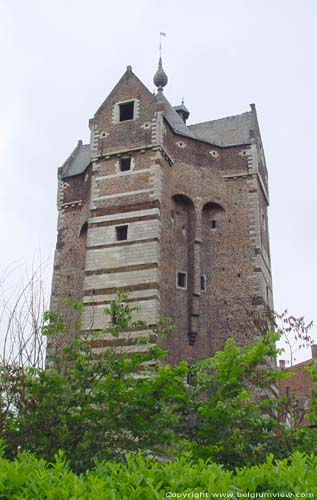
(140, 478)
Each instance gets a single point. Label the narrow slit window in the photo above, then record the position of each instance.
(181, 280)
(203, 283)
(125, 164)
(83, 230)
(121, 233)
(213, 224)
(114, 318)
(126, 111)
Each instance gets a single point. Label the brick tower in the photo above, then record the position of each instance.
(175, 214)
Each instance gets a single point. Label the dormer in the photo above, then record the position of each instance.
(182, 112)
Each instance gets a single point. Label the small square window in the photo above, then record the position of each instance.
(181, 280)
(125, 164)
(121, 233)
(203, 283)
(213, 224)
(126, 111)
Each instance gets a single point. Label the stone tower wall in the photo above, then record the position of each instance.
(190, 207)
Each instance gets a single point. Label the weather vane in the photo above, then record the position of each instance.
(161, 34)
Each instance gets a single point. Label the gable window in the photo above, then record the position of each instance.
(126, 111)
(125, 164)
(121, 233)
(181, 280)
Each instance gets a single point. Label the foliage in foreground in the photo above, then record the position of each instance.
(100, 408)
(236, 417)
(94, 408)
(144, 479)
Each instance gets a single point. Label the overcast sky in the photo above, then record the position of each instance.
(61, 58)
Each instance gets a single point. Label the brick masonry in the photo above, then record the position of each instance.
(299, 386)
(190, 207)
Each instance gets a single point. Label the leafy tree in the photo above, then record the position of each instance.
(94, 406)
(294, 333)
(307, 435)
(100, 406)
(236, 417)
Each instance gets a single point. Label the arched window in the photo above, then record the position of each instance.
(212, 214)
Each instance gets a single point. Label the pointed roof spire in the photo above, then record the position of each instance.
(160, 78)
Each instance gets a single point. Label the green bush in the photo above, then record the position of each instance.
(29, 478)
(92, 407)
(101, 407)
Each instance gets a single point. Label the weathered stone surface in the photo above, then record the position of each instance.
(190, 206)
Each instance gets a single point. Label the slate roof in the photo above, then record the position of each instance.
(230, 131)
(77, 162)
(173, 118)
(183, 109)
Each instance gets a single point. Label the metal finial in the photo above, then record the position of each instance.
(160, 47)
(160, 78)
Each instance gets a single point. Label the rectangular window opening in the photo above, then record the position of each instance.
(126, 111)
(125, 164)
(181, 280)
(192, 375)
(213, 224)
(122, 233)
(203, 283)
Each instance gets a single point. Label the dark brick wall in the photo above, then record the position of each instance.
(299, 385)
(224, 255)
(130, 132)
(298, 388)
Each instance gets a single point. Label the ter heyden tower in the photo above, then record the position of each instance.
(175, 214)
